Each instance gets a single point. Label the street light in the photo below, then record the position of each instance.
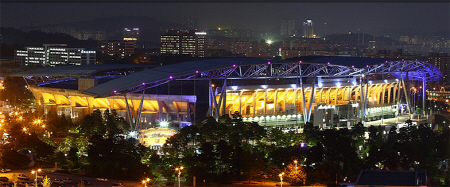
(179, 173)
(146, 181)
(35, 172)
(295, 161)
(281, 179)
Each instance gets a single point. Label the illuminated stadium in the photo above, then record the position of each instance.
(327, 91)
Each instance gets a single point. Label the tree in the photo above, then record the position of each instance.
(47, 182)
(13, 158)
(293, 175)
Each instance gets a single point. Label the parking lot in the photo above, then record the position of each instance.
(12, 176)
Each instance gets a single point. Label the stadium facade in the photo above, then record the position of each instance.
(327, 91)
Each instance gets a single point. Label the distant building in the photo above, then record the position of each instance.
(88, 57)
(441, 61)
(189, 23)
(113, 47)
(131, 35)
(287, 27)
(54, 54)
(308, 29)
(183, 43)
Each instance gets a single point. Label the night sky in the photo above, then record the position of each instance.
(370, 17)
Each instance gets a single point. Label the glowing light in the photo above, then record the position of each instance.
(234, 65)
(170, 77)
(320, 85)
(370, 82)
(300, 61)
(143, 83)
(354, 83)
(268, 62)
(269, 42)
(200, 33)
(264, 86)
(328, 63)
(132, 133)
(353, 66)
(338, 84)
(164, 124)
(302, 145)
(196, 71)
(293, 86)
(234, 88)
(115, 91)
(386, 81)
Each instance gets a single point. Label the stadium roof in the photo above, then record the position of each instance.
(76, 71)
(357, 62)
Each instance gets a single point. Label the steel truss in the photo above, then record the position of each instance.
(417, 71)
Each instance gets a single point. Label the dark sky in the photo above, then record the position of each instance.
(340, 17)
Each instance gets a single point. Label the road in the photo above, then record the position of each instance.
(75, 179)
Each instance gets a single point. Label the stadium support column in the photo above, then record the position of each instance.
(130, 117)
(389, 93)
(254, 103)
(424, 94)
(160, 110)
(285, 98)
(399, 93)
(240, 102)
(406, 89)
(383, 93)
(366, 95)
(265, 102)
(311, 100)
(223, 100)
(305, 115)
(275, 103)
(361, 97)
(139, 112)
(211, 107)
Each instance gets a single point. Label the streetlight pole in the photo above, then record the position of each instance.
(35, 172)
(295, 161)
(179, 173)
(281, 179)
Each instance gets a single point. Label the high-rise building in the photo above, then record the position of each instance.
(189, 23)
(131, 35)
(114, 47)
(183, 43)
(308, 29)
(442, 62)
(53, 54)
(287, 27)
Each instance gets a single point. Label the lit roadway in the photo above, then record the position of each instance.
(75, 178)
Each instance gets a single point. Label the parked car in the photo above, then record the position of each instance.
(58, 181)
(67, 180)
(41, 176)
(4, 179)
(23, 177)
(8, 170)
(117, 184)
(23, 184)
(102, 179)
(8, 184)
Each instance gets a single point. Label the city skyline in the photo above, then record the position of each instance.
(391, 18)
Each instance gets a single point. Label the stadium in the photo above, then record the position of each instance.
(326, 91)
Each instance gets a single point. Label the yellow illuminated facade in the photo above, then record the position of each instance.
(155, 108)
(288, 104)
